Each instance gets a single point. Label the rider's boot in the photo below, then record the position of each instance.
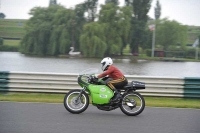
(117, 95)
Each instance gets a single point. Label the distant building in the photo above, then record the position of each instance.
(159, 53)
(2, 15)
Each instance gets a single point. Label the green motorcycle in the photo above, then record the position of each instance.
(76, 101)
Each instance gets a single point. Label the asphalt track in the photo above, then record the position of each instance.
(53, 118)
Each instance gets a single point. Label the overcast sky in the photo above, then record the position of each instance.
(184, 11)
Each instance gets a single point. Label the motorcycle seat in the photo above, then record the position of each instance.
(127, 86)
(135, 85)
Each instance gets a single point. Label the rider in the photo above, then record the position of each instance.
(115, 77)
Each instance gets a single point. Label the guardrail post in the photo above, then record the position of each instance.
(4, 80)
(192, 87)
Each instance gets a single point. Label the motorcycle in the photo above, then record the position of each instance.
(131, 102)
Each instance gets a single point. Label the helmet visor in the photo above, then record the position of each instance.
(103, 65)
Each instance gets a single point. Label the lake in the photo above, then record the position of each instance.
(15, 61)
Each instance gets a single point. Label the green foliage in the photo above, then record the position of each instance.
(52, 30)
(52, 2)
(9, 48)
(138, 23)
(116, 21)
(126, 30)
(190, 53)
(80, 21)
(116, 2)
(157, 10)
(193, 33)
(38, 30)
(93, 40)
(148, 52)
(65, 42)
(91, 9)
(170, 33)
(1, 41)
(2, 15)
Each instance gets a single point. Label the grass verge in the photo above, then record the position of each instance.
(58, 98)
(12, 42)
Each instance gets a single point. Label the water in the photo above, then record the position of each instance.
(14, 61)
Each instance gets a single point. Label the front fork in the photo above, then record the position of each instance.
(79, 95)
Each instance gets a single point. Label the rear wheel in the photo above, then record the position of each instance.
(76, 105)
(132, 104)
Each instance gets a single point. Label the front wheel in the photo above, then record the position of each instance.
(74, 104)
(132, 104)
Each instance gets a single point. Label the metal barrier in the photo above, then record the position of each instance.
(192, 86)
(61, 83)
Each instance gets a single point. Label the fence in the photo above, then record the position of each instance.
(61, 83)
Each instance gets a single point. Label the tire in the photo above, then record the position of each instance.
(129, 103)
(74, 106)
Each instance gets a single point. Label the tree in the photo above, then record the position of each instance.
(38, 30)
(91, 9)
(170, 33)
(128, 2)
(52, 2)
(80, 21)
(116, 21)
(138, 23)
(64, 42)
(157, 10)
(2, 15)
(93, 40)
(116, 2)
(49, 31)
(1, 41)
(64, 28)
(126, 25)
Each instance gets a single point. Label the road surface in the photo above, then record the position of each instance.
(53, 118)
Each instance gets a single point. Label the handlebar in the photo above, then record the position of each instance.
(92, 79)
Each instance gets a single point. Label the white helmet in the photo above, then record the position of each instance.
(105, 63)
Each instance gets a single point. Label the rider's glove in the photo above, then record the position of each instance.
(95, 79)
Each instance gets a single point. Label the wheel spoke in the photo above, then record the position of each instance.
(74, 103)
(132, 104)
